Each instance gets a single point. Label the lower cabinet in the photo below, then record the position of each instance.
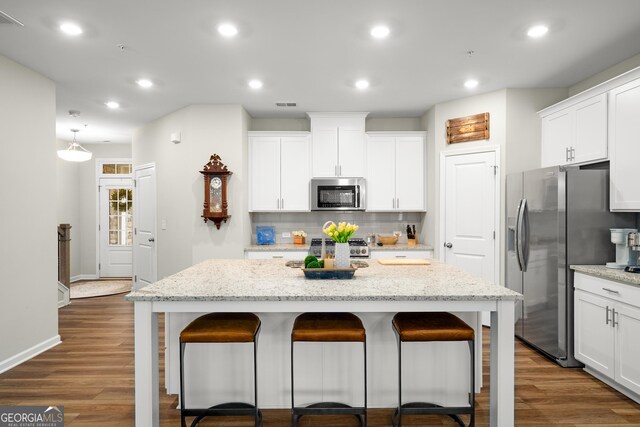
(422, 254)
(275, 254)
(607, 326)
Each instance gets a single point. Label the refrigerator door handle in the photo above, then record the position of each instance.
(525, 235)
(518, 236)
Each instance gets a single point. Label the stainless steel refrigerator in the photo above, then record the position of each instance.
(555, 217)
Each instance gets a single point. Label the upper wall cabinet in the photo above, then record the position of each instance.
(575, 133)
(624, 141)
(395, 171)
(338, 147)
(279, 171)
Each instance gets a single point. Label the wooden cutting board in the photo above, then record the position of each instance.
(404, 261)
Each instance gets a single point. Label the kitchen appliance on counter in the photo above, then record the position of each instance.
(624, 253)
(357, 247)
(337, 194)
(633, 241)
(556, 217)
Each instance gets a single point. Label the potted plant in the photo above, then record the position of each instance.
(340, 234)
(298, 237)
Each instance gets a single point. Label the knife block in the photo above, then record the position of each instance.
(412, 242)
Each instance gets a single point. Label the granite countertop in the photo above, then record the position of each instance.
(271, 280)
(609, 273)
(305, 247)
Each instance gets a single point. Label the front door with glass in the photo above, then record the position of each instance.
(116, 227)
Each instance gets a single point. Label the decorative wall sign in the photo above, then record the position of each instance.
(470, 128)
(216, 176)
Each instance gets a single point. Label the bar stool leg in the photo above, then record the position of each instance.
(365, 381)
(399, 382)
(183, 422)
(258, 421)
(472, 395)
(293, 415)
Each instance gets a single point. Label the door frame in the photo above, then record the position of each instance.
(99, 175)
(136, 168)
(498, 200)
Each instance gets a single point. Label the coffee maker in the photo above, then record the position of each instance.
(633, 241)
(625, 255)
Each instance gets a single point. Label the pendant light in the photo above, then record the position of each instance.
(75, 152)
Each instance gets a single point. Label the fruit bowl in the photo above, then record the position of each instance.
(387, 239)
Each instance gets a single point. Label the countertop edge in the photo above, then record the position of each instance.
(317, 299)
(600, 271)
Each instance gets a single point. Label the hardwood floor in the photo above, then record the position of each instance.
(91, 374)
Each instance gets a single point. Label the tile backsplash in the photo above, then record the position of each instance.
(311, 222)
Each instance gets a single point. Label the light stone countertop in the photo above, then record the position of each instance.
(291, 247)
(271, 280)
(609, 273)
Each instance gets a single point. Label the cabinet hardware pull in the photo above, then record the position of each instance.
(398, 203)
(607, 316)
(566, 154)
(277, 256)
(573, 154)
(278, 203)
(613, 317)
(394, 202)
(281, 203)
(611, 290)
(340, 170)
(401, 256)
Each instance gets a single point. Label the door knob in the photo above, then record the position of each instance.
(151, 239)
(448, 245)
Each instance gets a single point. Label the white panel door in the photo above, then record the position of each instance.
(410, 170)
(295, 173)
(470, 213)
(381, 183)
(144, 223)
(593, 331)
(591, 129)
(324, 142)
(557, 137)
(351, 151)
(116, 227)
(624, 146)
(264, 166)
(627, 352)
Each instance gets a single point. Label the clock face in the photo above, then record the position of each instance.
(216, 182)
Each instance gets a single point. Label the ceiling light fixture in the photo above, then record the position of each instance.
(537, 31)
(112, 104)
(75, 152)
(471, 83)
(227, 30)
(145, 83)
(380, 32)
(255, 84)
(70, 28)
(362, 84)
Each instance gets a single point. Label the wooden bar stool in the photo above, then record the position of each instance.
(423, 327)
(328, 327)
(221, 328)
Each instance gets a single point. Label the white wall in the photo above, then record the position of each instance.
(68, 197)
(205, 129)
(278, 124)
(373, 124)
(28, 247)
(304, 124)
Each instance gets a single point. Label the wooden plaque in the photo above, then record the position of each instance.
(470, 128)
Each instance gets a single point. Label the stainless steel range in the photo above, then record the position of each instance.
(358, 247)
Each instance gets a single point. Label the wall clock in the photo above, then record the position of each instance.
(216, 176)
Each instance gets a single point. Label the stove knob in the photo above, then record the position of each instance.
(353, 251)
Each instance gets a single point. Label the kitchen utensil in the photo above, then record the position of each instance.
(404, 261)
(414, 230)
(386, 239)
(409, 233)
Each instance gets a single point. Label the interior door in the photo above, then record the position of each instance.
(144, 223)
(470, 213)
(116, 227)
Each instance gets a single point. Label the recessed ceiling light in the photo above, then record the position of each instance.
(112, 104)
(471, 83)
(380, 32)
(362, 84)
(70, 28)
(145, 83)
(255, 84)
(537, 31)
(227, 30)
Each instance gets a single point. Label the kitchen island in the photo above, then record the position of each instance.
(268, 288)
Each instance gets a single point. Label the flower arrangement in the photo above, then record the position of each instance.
(298, 237)
(299, 233)
(340, 233)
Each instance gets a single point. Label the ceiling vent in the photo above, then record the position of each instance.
(6, 19)
(286, 104)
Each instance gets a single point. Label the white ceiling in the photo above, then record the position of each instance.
(309, 52)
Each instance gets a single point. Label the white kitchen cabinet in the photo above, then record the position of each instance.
(607, 326)
(338, 148)
(383, 253)
(395, 171)
(279, 170)
(267, 254)
(624, 139)
(575, 133)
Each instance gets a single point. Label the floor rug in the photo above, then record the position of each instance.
(99, 288)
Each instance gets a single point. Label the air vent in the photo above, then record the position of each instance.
(6, 19)
(286, 104)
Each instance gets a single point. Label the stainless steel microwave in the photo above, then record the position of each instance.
(337, 194)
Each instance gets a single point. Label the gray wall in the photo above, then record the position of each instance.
(605, 75)
(28, 248)
(303, 124)
(68, 198)
(205, 129)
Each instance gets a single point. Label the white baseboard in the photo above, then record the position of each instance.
(84, 277)
(29, 353)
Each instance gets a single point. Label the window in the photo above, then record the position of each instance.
(120, 217)
(116, 168)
